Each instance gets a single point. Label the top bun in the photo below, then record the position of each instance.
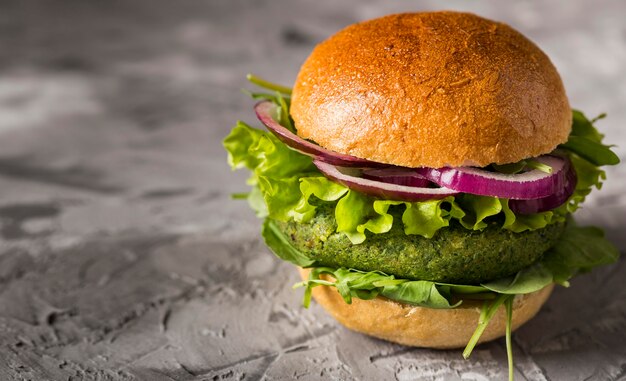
(431, 90)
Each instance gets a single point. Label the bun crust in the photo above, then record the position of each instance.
(419, 326)
(431, 89)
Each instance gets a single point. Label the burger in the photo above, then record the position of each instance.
(422, 173)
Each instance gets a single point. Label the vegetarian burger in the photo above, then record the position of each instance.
(422, 174)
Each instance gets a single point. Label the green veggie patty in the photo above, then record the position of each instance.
(453, 255)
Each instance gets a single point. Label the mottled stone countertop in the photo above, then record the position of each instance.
(122, 256)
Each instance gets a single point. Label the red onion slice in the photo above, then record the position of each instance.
(264, 111)
(398, 176)
(550, 202)
(523, 186)
(349, 177)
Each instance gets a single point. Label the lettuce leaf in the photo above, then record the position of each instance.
(276, 169)
(373, 216)
(288, 182)
(321, 188)
(586, 142)
(290, 186)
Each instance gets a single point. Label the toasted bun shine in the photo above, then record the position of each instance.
(431, 89)
(423, 327)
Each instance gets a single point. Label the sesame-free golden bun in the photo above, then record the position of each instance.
(430, 90)
(419, 326)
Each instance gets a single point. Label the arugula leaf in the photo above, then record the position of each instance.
(313, 281)
(595, 153)
(583, 127)
(586, 142)
(355, 283)
(511, 168)
(508, 304)
(283, 112)
(487, 313)
(464, 290)
(272, 97)
(276, 241)
(534, 164)
(530, 279)
(268, 85)
(579, 249)
(418, 292)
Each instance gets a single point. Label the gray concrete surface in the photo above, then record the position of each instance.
(122, 256)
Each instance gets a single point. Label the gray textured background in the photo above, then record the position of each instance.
(122, 256)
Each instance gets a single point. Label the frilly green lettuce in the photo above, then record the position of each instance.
(290, 187)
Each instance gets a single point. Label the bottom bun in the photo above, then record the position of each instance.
(419, 326)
